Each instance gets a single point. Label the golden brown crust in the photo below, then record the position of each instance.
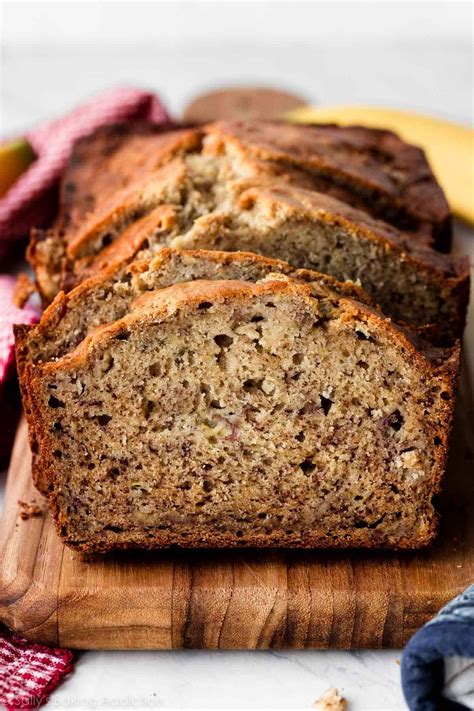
(286, 193)
(370, 170)
(363, 159)
(110, 160)
(123, 250)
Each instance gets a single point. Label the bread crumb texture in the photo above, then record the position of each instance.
(331, 701)
(232, 413)
(354, 203)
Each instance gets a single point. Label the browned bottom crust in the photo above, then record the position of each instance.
(193, 537)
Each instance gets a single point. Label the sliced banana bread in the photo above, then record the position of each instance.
(304, 194)
(109, 296)
(237, 414)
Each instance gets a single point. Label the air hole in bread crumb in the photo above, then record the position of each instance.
(366, 524)
(155, 369)
(298, 358)
(395, 420)
(54, 402)
(216, 405)
(445, 395)
(108, 363)
(308, 466)
(257, 319)
(437, 440)
(106, 240)
(185, 486)
(204, 305)
(326, 404)
(148, 408)
(362, 364)
(207, 485)
(300, 437)
(270, 305)
(223, 340)
(262, 515)
(363, 336)
(57, 427)
(239, 534)
(253, 384)
(57, 453)
(123, 336)
(103, 420)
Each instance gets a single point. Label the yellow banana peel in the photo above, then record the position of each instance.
(448, 146)
(15, 157)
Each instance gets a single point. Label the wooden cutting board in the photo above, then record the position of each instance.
(232, 599)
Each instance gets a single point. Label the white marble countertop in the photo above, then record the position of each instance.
(48, 72)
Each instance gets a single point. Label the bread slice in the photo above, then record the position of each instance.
(313, 231)
(109, 295)
(228, 413)
(311, 196)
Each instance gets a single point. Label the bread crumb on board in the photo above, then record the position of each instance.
(331, 701)
(29, 510)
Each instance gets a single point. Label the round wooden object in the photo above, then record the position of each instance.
(241, 103)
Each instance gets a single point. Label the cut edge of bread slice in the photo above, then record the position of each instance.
(196, 325)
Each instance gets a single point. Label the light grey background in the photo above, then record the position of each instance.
(414, 55)
(406, 55)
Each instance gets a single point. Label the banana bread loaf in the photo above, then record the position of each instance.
(227, 413)
(352, 202)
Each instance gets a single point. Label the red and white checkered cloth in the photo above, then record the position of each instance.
(9, 315)
(31, 199)
(28, 202)
(30, 672)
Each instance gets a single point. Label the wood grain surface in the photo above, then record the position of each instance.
(232, 599)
